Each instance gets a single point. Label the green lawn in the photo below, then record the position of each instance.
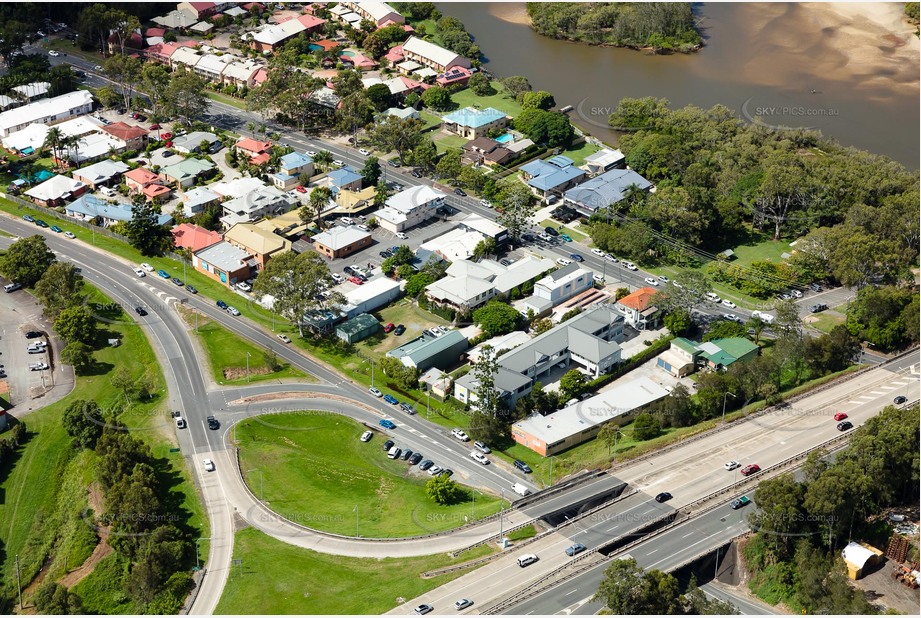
(501, 101)
(277, 578)
(430, 119)
(578, 153)
(316, 472)
(573, 233)
(825, 321)
(225, 99)
(444, 142)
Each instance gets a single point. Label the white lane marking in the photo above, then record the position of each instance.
(571, 592)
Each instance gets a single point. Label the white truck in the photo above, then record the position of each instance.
(520, 489)
(767, 318)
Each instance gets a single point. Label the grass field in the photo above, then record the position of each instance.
(573, 233)
(501, 101)
(825, 321)
(430, 119)
(579, 153)
(444, 142)
(277, 578)
(316, 472)
(225, 99)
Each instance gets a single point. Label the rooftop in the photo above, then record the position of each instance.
(225, 256)
(44, 108)
(639, 300)
(434, 53)
(193, 237)
(339, 237)
(474, 118)
(605, 189)
(91, 206)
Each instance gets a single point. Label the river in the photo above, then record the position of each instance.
(850, 71)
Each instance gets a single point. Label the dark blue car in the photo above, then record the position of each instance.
(391, 399)
(576, 257)
(387, 424)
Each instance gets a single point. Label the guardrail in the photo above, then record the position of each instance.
(577, 479)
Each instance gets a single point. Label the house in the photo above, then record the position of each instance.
(290, 167)
(142, 180)
(262, 202)
(374, 294)
(270, 37)
(258, 152)
(344, 178)
(463, 294)
(134, 43)
(402, 113)
(471, 284)
(338, 242)
(193, 237)
(603, 161)
(224, 262)
(358, 328)
(89, 148)
(238, 187)
(199, 9)
(378, 13)
(580, 422)
(202, 27)
(487, 227)
(457, 244)
(56, 190)
(520, 272)
(7, 103)
(508, 341)
(129, 136)
(684, 356)
(191, 142)
(357, 61)
(32, 92)
(486, 151)
(604, 190)
(409, 208)
(472, 123)
(680, 359)
(552, 176)
(101, 174)
(241, 73)
(162, 52)
(433, 56)
(395, 55)
(212, 66)
(399, 86)
(426, 351)
(184, 57)
(175, 20)
(186, 172)
(455, 76)
(589, 340)
(564, 283)
(46, 111)
(259, 243)
(354, 201)
(638, 310)
(90, 208)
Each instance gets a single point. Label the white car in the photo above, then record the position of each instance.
(98, 67)
(486, 203)
(732, 318)
(180, 422)
(651, 281)
(345, 221)
(610, 258)
(714, 297)
(232, 311)
(731, 465)
(479, 457)
(311, 153)
(630, 265)
(402, 236)
(598, 252)
(244, 286)
(366, 436)
(139, 272)
(598, 278)
(363, 227)
(337, 277)
(435, 470)
(209, 465)
(70, 235)
(796, 293)
(364, 151)
(38, 366)
(147, 267)
(376, 392)
(285, 338)
(339, 163)
(53, 54)
(460, 435)
(563, 262)
(663, 278)
(729, 303)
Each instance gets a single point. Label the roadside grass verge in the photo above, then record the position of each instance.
(226, 100)
(825, 321)
(277, 578)
(316, 472)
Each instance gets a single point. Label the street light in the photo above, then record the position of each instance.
(356, 521)
(197, 561)
(247, 366)
(616, 431)
(261, 485)
(726, 394)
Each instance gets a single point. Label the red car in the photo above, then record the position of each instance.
(154, 127)
(750, 469)
(168, 144)
(166, 135)
(356, 280)
(389, 327)
(300, 189)
(840, 416)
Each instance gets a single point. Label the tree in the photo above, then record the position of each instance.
(496, 318)
(517, 205)
(145, 233)
(443, 490)
(95, 22)
(185, 97)
(572, 384)
(295, 282)
(424, 154)
(646, 427)
(379, 96)
(542, 326)
(107, 96)
(832, 351)
(627, 589)
(696, 602)
(485, 423)
(480, 85)
(450, 165)
(484, 248)
(53, 140)
(551, 128)
(346, 82)
(155, 80)
(76, 324)
(780, 519)
(62, 80)
(540, 99)
(12, 38)
(723, 329)
(417, 283)
(125, 71)
(80, 356)
(354, 112)
(83, 422)
(324, 159)
(53, 598)
(516, 85)
(396, 134)
(59, 288)
(437, 98)
(403, 255)
(677, 321)
(371, 172)
(26, 260)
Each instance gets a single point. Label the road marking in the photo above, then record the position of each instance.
(687, 535)
(571, 592)
(654, 551)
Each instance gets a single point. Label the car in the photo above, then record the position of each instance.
(366, 436)
(337, 277)
(364, 151)
(156, 126)
(576, 257)
(713, 297)
(740, 502)
(663, 497)
(51, 53)
(732, 318)
(355, 280)
(818, 307)
(610, 258)
(402, 236)
(376, 392)
(140, 311)
(630, 266)
(393, 163)
(423, 609)
(750, 469)
(28, 218)
(166, 136)
(40, 223)
(141, 118)
(435, 470)
(565, 237)
(284, 338)
(70, 235)
(395, 452)
(162, 273)
(339, 163)
(425, 464)
(416, 174)
(415, 459)
(388, 445)
(577, 548)
(479, 457)
(462, 604)
(900, 400)
(598, 278)
(209, 465)
(563, 261)
(213, 423)
(840, 416)
(38, 366)
(527, 559)
(385, 254)
(178, 282)
(523, 466)
(731, 465)
(399, 330)
(191, 289)
(221, 305)
(486, 203)
(232, 310)
(168, 153)
(139, 272)
(391, 399)
(460, 192)
(56, 229)
(244, 286)
(482, 447)
(146, 267)
(98, 67)
(460, 435)
(12, 287)
(363, 227)
(845, 425)
(386, 424)
(663, 278)
(651, 281)
(729, 303)
(447, 472)
(180, 422)
(32, 334)
(311, 153)
(795, 293)
(551, 231)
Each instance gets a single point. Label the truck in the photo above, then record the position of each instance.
(767, 318)
(520, 489)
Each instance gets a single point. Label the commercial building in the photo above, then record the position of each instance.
(377, 293)
(564, 283)
(433, 56)
(409, 208)
(602, 191)
(578, 423)
(638, 310)
(225, 263)
(46, 111)
(338, 242)
(472, 123)
(358, 328)
(259, 243)
(426, 351)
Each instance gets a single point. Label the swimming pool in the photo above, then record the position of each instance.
(504, 138)
(314, 47)
(347, 54)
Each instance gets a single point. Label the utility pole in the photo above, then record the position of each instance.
(18, 582)
(247, 366)
(197, 561)
(357, 535)
(501, 506)
(726, 394)
(551, 470)
(372, 371)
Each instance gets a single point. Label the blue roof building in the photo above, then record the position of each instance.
(473, 123)
(344, 178)
(88, 207)
(290, 167)
(554, 175)
(604, 190)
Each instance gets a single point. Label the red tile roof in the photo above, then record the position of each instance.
(250, 145)
(395, 54)
(309, 21)
(261, 76)
(261, 158)
(155, 32)
(326, 44)
(141, 175)
(639, 300)
(124, 132)
(194, 237)
(155, 190)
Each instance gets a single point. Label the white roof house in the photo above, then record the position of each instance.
(241, 72)
(454, 245)
(237, 187)
(93, 146)
(55, 188)
(377, 12)
(210, 66)
(462, 292)
(33, 136)
(431, 55)
(603, 160)
(46, 111)
(409, 207)
(185, 56)
(101, 172)
(34, 90)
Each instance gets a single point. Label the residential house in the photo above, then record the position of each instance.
(468, 285)
(638, 310)
(457, 244)
(350, 201)
(224, 262)
(191, 142)
(379, 13)
(193, 237)
(270, 37)
(241, 73)
(357, 61)
(7, 103)
(462, 294)
(552, 176)
(564, 283)
(132, 45)
(684, 356)
(129, 136)
(90, 208)
(433, 56)
(395, 55)
(258, 152)
(199, 9)
(263, 202)
(455, 76)
(56, 190)
(259, 243)
(46, 111)
(184, 58)
(409, 208)
(399, 86)
(472, 123)
(603, 161)
(162, 52)
(290, 167)
(603, 190)
(89, 148)
(358, 328)
(487, 227)
(104, 173)
(212, 66)
(401, 113)
(344, 178)
(32, 92)
(142, 180)
(338, 242)
(175, 20)
(425, 352)
(486, 151)
(186, 172)
(238, 187)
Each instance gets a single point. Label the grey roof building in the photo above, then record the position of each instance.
(603, 190)
(191, 141)
(425, 352)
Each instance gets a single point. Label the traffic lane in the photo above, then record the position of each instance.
(617, 521)
(747, 606)
(580, 492)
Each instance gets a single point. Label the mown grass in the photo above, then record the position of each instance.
(573, 233)
(315, 471)
(501, 100)
(277, 578)
(580, 152)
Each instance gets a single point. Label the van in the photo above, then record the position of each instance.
(12, 287)
(520, 489)
(713, 297)
(107, 191)
(527, 559)
(394, 452)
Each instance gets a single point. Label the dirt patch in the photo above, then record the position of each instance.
(235, 373)
(102, 549)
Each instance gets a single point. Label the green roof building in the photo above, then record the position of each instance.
(684, 355)
(360, 327)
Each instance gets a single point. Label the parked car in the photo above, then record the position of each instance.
(387, 445)
(385, 254)
(168, 153)
(750, 469)
(407, 454)
(415, 459)
(70, 235)
(386, 424)
(38, 366)
(337, 277)
(399, 330)
(40, 223)
(221, 305)
(391, 399)
(523, 466)
(425, 464)
(389, 327)
(180, 422)
(232, 310)
(364, 151)
(402, 236)
(146, 267)
(191, 289)
(393, 163)
(28, 218)
(663, 497)
(355, 280)
(577, 548)
(366, 436)
(435, 470)
(460, 435)
(56, 229)
(162, 273)
(482, 447)
(376, 392)
(740, 502)
(407, 408)
(551, 231)
(416, 174)
(244, 286)
(460, 192)
(33, 334)
(729, 303)
(178, 282)
(12, 287)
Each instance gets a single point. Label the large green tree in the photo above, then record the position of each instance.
(295, 282)
(83, 421)
(145, 233)
(627, 589)
(76, 324)
(496, 318)
(185, 97)
(26, 260)
(60, 287)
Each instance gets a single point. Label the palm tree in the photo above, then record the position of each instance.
(324, 159)
(319, 198)
(53, 141)
(70, 143)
